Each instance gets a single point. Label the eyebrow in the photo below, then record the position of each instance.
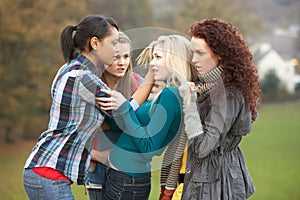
(200, 51)
(158, 52)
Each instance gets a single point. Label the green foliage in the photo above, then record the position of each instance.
(273, 90)
(240, 13)
(297, 87)
(128, 13)
(270, 83)
(30, 56)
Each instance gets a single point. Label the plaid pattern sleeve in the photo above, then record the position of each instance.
(74, 119)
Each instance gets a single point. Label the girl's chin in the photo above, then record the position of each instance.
(200, 71)
(120, 74)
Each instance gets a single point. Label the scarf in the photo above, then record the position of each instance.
(208, 80)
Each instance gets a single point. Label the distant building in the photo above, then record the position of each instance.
(284, 42)
(266, 59)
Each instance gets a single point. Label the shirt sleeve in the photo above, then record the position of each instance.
(151, 137)
(90, 86)
(137, 80)
(243, 123)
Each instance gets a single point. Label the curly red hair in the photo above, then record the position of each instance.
(239, 72)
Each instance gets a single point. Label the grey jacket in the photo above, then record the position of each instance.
(215, 165)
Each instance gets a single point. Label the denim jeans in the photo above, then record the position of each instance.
(95, 194)
(119, 185)
(40, 188)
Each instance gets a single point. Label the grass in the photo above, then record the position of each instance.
(271, 152)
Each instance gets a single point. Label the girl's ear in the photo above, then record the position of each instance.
(94, 43)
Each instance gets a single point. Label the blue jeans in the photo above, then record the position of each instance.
(119, 185)
(40, 188)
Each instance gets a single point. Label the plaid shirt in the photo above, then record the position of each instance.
(74, 119)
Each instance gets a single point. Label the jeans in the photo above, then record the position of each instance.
(95, 194)
(40, 188)
(119, 185)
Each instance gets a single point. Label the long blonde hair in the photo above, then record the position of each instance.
(178, 58)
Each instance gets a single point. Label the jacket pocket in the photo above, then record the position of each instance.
(207, 176)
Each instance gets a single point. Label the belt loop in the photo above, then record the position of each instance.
(221, 150)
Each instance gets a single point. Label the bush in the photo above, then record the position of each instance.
(273, 90)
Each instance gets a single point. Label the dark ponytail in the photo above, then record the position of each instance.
(67, 42)
(88, 27)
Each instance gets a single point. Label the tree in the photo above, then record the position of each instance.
(30, 55)
(128, 13)
(270, 83)
(240, 13)
(272, 89)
